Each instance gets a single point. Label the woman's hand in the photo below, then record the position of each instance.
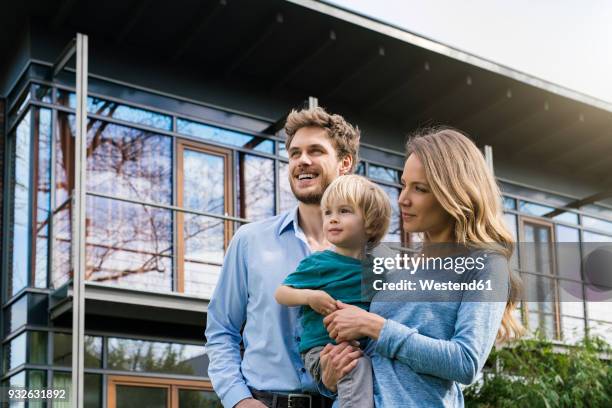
(351, 322)
(336, 362)
(321, 302)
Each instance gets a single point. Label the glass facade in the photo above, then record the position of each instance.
(165, 194)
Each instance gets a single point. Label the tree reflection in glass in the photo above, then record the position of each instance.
(256, 187)
(129, 244)
(130, 163)
(287, 199)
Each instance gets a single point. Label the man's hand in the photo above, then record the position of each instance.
(336, 362)
(321, 302)
(250, 403)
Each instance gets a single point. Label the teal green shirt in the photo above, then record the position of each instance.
(338, 275)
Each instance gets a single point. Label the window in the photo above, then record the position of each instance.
(537, 265)
(124, 392)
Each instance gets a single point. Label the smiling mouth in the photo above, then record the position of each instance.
(307, 176)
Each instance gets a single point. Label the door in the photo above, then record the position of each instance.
(204, 184)
(131, 391)
(538, 270)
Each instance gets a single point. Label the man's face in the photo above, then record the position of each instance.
(313, 164)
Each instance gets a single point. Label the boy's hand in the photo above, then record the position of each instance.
(321, 302)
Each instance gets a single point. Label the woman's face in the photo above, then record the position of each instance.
(421, 211)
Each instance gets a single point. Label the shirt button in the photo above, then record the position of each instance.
(298, 338)
(303, 369)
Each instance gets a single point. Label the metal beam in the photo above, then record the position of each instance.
(345, 79)
(581, 203)
(241, 56)
(195, 32)
(78, 225)
(136, 14)
(65, 56)
(297, 67)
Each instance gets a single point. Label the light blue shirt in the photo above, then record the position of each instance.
(259, 257)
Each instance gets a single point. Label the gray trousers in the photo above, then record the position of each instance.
(356, 389)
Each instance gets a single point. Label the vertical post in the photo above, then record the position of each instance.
(78, 225)
(313, 102)
(488, 153)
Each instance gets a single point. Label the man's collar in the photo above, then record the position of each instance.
(291, 219)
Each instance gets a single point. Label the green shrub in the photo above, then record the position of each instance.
(537, 373)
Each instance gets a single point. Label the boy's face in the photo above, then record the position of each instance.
(343, 225)
(313, 164)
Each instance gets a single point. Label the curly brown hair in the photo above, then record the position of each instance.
(343, 135)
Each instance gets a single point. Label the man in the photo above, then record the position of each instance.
(321, 147)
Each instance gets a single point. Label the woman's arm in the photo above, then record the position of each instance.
(351, 322)
(476, 323)
(318, 300)
(458, 359)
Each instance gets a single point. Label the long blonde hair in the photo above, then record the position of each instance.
(465, 187)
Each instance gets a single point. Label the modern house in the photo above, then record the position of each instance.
(176, 141)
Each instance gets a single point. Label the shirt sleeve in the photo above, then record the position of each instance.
(462, 356)
(225, 317)
(307, 275)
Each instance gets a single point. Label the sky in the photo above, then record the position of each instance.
(566, 42)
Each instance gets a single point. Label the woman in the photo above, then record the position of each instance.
(424, 350)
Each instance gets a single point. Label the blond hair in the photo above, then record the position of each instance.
(366, 196)
(343, 135)
(465, 187)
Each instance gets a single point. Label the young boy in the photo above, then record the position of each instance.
(356, 216)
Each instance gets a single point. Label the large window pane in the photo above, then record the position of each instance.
(129, 245)
(394, 233)
(229, 137)
(573, 329)
(198, 399)
(204, 178)
(287, 199)
(42, 126)
(62, 350)
(255, 187)
(64, 157)
(115, 110)
(568, 253)
(16, 315)
(92, 386)
(383, 173)
(158, 357)
(15, 352)
(20, 217)
(127, 162)
(204, 249)
(590, 222)
(601, 329)
(62, 246)
(129, 396)
(129, 113)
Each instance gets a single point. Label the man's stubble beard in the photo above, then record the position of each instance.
(313, 197)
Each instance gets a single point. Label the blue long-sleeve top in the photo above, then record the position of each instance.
(426, 349)
(259, 257)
